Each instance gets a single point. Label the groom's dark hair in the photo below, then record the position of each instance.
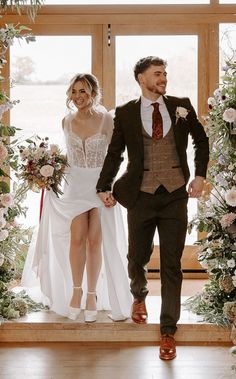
(144, 63)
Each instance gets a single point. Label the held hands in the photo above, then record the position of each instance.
(196, 186)
(107, 199)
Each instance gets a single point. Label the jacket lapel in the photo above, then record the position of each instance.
(171, 107)
(137, 115)
(136, 129)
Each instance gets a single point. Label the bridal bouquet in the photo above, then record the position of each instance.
(42, 165)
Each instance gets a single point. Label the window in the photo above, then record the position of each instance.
(227, 1)
(42, 71)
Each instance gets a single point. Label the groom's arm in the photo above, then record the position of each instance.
(201, 153)
(200, 143)
(113, 158)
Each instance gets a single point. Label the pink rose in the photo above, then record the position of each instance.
(227, 219)
(3, 235)
(6, 200)
(229, 115)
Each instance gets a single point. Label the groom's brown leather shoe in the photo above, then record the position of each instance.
(139, 312)
(167, 347)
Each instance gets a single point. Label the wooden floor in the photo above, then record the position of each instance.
(112, 361)
(107, 350)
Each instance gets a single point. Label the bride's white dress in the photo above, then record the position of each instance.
(47, 265)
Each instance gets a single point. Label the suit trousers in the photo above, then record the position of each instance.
(168, 213)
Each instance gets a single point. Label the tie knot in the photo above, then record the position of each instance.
(155, 106)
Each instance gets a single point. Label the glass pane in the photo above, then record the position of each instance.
(42, 71)
(181, 81)
(120, 2)
(227, 1)
(227, 44)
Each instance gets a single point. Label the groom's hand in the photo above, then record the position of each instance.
(195, 187)
(107, 199)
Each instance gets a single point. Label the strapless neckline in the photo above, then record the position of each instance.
(83, 141)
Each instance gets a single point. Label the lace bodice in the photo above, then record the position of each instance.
(89, 153)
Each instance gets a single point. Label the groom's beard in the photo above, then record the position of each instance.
(156, 89)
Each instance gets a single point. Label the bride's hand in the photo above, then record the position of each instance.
(112, 200)
(107, 199)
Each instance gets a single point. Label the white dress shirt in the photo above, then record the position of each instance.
(146, 115)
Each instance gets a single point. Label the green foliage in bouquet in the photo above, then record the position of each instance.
(217, 209)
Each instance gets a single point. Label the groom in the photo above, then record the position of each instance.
(155, 130)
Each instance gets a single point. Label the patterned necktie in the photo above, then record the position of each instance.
(157, 122)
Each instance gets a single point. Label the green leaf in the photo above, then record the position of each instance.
(4, 187)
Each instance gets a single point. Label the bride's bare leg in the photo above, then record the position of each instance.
(79, 232)
(93, 257)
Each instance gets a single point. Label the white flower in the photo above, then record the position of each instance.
(54, 149)
(211, 101)
(39, 153)
(230, 197)
(229, 115)
(221, 180)
(57, 166)
(204, 263)
(47, 170)
(231, 263)
(234, 280)
(3, 234)
(231, 167)
(212, 263)
(234, 178)
(227, 219)
(2, 222)
(6, 200)
(1, 259)
(181, 112)
(222, 159)
(25, 153)
(217, 93)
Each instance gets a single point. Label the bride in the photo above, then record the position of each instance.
(79, 257)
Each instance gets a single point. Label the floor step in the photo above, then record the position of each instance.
(46, 326)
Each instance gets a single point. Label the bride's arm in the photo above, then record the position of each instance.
(108, 126)
(63, 123)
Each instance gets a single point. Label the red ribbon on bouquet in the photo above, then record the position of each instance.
(41, 204)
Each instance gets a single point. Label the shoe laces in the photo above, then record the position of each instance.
(167, 342)
(140, 306)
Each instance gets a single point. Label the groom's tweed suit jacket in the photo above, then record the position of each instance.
(128, 133)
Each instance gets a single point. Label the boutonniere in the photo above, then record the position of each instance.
(181, 112)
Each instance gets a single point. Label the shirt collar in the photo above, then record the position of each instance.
(147, 102)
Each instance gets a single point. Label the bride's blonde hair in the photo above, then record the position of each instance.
(91, 86)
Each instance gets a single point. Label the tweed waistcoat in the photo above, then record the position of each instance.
(161, 164)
